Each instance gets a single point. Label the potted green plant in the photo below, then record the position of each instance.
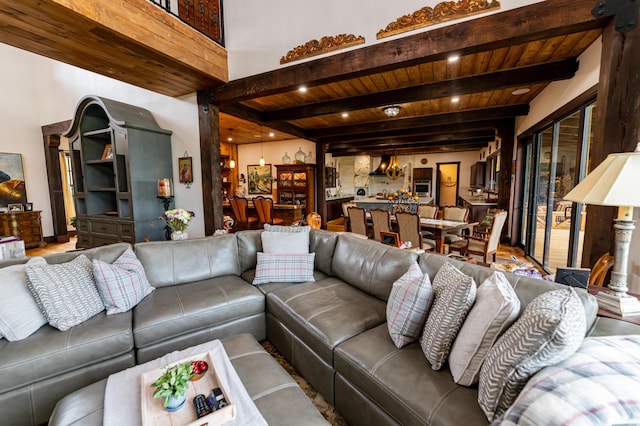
(172, 386)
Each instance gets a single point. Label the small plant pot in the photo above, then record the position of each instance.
(176, 403)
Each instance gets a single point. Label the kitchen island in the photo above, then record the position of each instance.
(477, 206)
(383, 203)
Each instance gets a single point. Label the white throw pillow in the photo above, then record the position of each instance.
(285, 242)
(408, 305)
(65, 292)
(284, 268)
(121, 284)
(20, 315)
(496, 307)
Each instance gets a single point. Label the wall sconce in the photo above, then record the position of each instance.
(232, 164)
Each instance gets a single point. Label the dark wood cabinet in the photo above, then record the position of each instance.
(477, 211)
(478, 172)
(118, 154)
(334, 207)
(296, 185)
(25, 225)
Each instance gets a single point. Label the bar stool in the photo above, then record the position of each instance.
(264, 207)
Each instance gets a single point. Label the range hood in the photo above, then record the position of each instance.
(382, 167)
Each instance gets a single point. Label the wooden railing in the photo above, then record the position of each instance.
(203, 15)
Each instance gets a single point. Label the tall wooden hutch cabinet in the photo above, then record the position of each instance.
(118, 153)
(296, 185)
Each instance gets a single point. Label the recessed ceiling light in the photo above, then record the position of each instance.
(392, 110)
(455, 99)
(345, 114)
(229, 138)
(453, 58)
(521, 91)
(302, 89)
(271, 134)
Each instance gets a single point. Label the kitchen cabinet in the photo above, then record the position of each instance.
(25, 225)
(118, 154)
(334, 207)
(478, 172)
(477, 208)
(296, 185)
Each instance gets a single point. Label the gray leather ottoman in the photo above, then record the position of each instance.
(275, 393)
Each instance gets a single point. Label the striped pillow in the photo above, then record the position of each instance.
(284, 268)
(121, 284)
(284, 228)
(550, 329)
(408, 305)
(454, 296)
(65, 292)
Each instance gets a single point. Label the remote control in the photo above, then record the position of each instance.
(217, 400)
(201, 406)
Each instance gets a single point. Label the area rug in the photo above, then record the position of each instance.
(327, 411)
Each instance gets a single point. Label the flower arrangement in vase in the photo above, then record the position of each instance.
(403, 201)
(172, 386)
(178, 221)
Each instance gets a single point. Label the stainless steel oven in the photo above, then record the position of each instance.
(422, 188)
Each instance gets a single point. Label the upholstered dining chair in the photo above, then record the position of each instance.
(345, 213)
(381, 220)
(483, 242)
(457, 214)
(264, 207)
(428, 211)
(409, 231)
(357, 220)
(240, 207)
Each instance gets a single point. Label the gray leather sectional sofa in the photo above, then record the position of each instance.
(332, 330)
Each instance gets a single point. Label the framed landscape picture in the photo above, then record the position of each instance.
(259, 181)
(12, 187)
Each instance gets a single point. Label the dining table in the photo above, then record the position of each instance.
(440, 227)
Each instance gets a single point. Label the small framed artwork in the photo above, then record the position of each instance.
(15, 207)
(4, 209)
(390, 238)
(107, 154)
(185, 165)
(28, 207)
(259, 179)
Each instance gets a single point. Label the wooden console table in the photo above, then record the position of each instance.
(24, 225)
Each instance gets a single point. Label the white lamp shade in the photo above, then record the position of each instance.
(613, 183)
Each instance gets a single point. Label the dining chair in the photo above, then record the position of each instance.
(240, 207)
(409, 231)
(456, 214)
(381, 220)
(483, 242)
(428, 211)
(264, 207)
(358, 220)
(345, 213)
(600, 269)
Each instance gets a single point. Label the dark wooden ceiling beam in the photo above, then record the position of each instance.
(431, 120)
(539, 73)
(515, 26)
(421, 149)
(487, 134)
(250, 114)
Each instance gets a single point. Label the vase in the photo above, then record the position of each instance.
(286, 159)
(176, 403)
(179, 235)
(300, 156)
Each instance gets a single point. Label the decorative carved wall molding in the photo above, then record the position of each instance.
(442, 12)
(324, 45)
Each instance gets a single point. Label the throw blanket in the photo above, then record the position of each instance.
(598, 385)
(122, 396)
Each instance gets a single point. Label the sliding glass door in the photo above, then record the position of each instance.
(556, 156)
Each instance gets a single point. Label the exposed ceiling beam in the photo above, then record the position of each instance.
(519, 25)
(431, 120)
(422, 149)
(488, 134)
(254, 116)
(540, 73)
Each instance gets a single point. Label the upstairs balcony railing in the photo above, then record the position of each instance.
(203, 15)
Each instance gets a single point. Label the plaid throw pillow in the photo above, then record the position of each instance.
(121, 284)
(284, 268)
(408, 305)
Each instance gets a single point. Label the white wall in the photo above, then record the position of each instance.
(277, 26)
(37, 91)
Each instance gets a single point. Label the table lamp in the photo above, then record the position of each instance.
(614, 183)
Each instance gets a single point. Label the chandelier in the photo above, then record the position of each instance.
(392, 110)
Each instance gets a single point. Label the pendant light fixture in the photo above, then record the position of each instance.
(232, 163)
(261, 156)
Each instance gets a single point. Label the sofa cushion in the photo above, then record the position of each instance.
(284, 268)
(495, 309)
(249, 244)
(279, 242)
(408, 305)
(187, 261)
(50, 352)
(368, 265)
(579, 389)
(66, 292)
(20, 315)
(121, 284)
(173, 311)
(325, 313)
(403, 383)
(549, 330)
(454, 296)
(323, 244)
